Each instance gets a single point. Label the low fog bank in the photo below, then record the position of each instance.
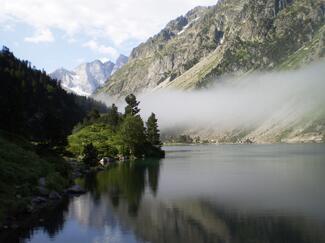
(239, 103)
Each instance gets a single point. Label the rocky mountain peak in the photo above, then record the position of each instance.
(120, 62)
(88, 77)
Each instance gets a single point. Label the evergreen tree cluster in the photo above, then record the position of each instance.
(35, 106)
(114, 133)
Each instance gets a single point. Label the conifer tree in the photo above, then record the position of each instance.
(132, 105)
(132, 135)
(152, 132)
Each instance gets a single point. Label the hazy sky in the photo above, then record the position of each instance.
(55, 33)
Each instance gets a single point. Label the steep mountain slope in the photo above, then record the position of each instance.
(88, 77)
(230, 37)
(120, 61)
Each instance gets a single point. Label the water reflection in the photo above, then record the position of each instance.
(50, 221)
(127, 181)
(122, 186)
(235, 194)
(199, 221)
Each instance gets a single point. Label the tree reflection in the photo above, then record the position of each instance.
(127, 181)
(50, 219)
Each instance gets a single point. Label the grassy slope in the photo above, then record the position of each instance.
(20, 169)
(307, 53)
(216, 62)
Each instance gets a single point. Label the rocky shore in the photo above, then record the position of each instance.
(45, 198)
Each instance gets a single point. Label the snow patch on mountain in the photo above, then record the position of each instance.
(86, 78)
(188, 25)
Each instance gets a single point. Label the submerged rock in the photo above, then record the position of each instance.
(76, 189)
(54, 195)
(42, 182)
(39, 200)
(43, 191)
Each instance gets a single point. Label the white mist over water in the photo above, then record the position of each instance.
(243, 102)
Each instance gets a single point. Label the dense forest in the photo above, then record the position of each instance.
(35, 106)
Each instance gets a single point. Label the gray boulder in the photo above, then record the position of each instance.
(76, 189)
(42, 182)
(54, 195)
(43, 191)
(39, 200)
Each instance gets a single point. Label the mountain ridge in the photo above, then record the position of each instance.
(88, 77)
(236, 37)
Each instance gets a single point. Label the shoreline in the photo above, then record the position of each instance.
(46, 199)
(41, 202)
(253, 143)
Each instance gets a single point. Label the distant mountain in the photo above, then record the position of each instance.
(88, 77)
(230, 40)
(120, 61)
(34, 106)
(231, 37)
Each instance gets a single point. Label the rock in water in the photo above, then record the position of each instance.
(76, 189)
(54, 195)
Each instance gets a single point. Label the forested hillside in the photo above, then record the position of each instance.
(34, 105)
(36, 116)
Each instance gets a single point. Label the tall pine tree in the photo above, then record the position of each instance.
(152, 131)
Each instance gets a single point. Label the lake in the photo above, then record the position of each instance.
(203, 193)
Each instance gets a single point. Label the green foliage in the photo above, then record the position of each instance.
(131, 136)
(20, 169)
(152, 132)
(90, 155)
(113, 133)
(99, 134)
(184, 139)
(35, 106)
(132, 105)
(93, 115)
(112, 117)
(56, 182)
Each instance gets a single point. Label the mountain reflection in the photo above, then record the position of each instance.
(117, 197)
(178, 200)
(202, 221)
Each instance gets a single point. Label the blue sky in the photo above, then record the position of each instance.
(64, 33)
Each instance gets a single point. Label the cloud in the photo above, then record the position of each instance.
(102, 49)
(282, 98)
(44, 35)
(116, 21)
(7, 27)
(80, 60)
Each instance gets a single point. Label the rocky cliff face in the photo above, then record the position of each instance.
(231, 37)
(88, 77)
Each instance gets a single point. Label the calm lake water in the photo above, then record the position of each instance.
(208, 193)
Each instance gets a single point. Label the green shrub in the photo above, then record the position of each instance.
(100, 135)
